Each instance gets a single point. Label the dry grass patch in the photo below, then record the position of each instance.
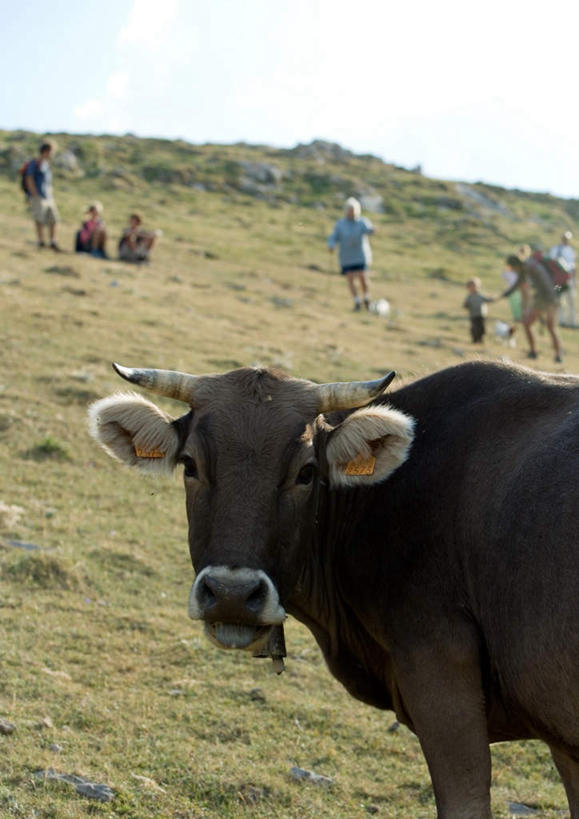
(44, 571)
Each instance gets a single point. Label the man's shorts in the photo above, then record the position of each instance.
(44, 211)
(354, 268)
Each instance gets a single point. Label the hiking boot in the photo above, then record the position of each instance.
(357, 306)
(40, 245)
(367, 304)
(558, 359)
(532, 354)
(55, 247)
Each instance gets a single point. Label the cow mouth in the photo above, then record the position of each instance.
(235, 635)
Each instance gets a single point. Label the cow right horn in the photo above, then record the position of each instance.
(350, 394)
(170, 383)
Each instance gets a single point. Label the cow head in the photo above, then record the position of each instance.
(254, 446)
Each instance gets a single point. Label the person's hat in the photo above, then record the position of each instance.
(568, 235)
(96, 205)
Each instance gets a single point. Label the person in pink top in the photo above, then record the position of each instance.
(92, 236)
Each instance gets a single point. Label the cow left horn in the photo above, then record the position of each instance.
(171, 383)
(350, 394)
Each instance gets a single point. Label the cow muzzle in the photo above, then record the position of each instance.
(238, 606)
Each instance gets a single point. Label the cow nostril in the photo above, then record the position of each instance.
(205, 596)
(257, 598)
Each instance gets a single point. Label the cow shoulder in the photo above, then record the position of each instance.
(368, 446)
(134, 431)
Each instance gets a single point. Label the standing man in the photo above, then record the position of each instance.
(565, 255)
(351, 233)
(38, 179)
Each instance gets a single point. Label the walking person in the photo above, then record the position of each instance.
(351, 234)
(565, 255)
(476, 304)
(539, 299)
(38, 182)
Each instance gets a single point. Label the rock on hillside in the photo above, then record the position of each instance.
(322, 151)
(67, 161)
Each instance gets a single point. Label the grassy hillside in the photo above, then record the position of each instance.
(101, 671)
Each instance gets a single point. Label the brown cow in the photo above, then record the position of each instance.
(429, 542)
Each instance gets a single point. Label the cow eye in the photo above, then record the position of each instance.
(306, 474)
(190, 466)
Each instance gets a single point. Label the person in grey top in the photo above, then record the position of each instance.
(476, 304)
(565, 255)
(351, 234)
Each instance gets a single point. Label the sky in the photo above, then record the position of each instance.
(469, 91)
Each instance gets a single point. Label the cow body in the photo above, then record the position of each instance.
(477, 534)
(445, 587)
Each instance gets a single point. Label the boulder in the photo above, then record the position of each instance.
(262, 173)
(66, 161)
(322, 151)
(372, 202)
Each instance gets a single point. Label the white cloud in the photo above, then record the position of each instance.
(91, 110)
(148, 49)
(148, 24)
(108, 111)
(117, 85)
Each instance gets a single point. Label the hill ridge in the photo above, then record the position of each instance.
(319, 175)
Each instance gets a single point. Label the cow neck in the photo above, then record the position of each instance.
(320, 605)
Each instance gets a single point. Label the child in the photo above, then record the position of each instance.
(136, 243)
(476, 304)
(92, 236)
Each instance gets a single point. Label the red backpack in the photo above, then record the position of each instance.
(559, 276)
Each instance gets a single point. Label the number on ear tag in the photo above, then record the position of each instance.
(148, 453)
(361, 465)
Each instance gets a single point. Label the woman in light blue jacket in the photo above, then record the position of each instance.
(351, 234)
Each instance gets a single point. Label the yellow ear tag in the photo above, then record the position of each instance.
(148, 453)
(361, 466)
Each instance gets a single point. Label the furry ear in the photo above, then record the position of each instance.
(368, 446)
(134, 431)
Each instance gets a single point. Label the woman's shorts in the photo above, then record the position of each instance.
(354, 268)
(541, 302)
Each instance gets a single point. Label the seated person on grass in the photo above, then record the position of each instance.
(92, 236)
(136, 243)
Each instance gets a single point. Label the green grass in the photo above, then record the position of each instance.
(47, 448)
(94, 628)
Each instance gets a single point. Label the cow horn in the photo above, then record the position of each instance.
(171, 383)
(350, 394)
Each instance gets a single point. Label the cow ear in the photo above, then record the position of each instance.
(368, 446)
(134, 431)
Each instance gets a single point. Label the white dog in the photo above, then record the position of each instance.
(506, 333)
